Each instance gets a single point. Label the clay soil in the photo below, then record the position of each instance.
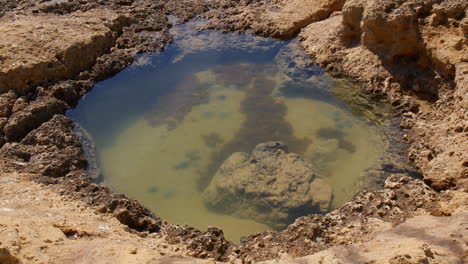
(412, 54)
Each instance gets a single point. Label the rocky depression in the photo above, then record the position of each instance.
(234, 131)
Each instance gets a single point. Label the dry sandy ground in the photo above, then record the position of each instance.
(37, 225)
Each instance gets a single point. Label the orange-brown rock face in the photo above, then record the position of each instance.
(281, 19)
(36, 49)
(407, 48)
(422, 33)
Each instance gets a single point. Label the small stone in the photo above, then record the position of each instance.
(381, 212)
(163, 245)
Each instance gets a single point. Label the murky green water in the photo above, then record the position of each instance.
(163, 126)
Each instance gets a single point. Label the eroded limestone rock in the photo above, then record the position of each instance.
(416, 241)
(40, 48)
(281, 19)
(51, 149)
(6, 103)
(271, 186)
(22, 122)
(417, 46)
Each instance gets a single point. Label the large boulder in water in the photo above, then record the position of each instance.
(272, 186)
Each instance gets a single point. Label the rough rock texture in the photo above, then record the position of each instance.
(271, 186)
(359, 220)
(33, 48)
(209, 244)
(38, 225)
(6, 103)
(7, 5)
(422, 239)
(37, 112)
(281, 19)
(53, 150)
(402, 48)
(413, 39)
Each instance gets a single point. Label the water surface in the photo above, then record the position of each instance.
(163, 126)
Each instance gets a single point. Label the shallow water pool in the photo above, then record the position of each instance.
(162, 127)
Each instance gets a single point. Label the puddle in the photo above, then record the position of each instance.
(162, 127)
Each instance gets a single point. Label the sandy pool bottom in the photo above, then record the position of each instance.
(160, 165)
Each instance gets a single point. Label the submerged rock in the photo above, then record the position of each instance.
(271, 186)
